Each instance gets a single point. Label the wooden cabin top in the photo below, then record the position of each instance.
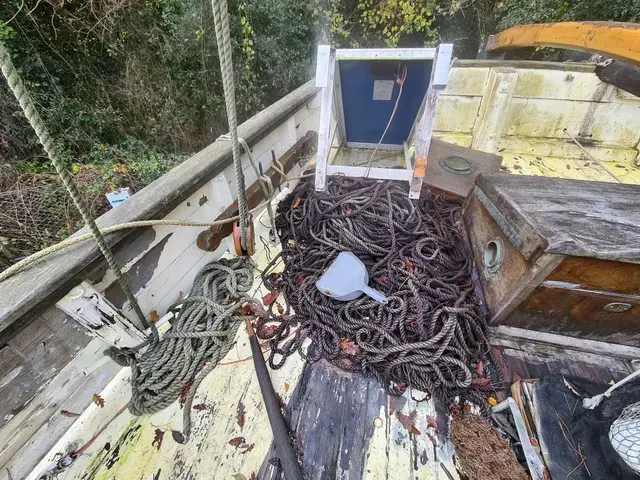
(566, 217)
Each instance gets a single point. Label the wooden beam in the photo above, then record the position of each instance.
(437, 83)
(494, 108)
(101, 319)
(611, 39)
(324, 129)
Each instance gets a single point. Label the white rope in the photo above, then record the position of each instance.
(223, 39)
(31, 113)
(115, 228)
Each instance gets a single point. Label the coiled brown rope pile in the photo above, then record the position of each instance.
(431, 329)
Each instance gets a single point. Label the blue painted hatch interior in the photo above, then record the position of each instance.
(366, 118)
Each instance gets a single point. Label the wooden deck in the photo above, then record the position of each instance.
(332, 414)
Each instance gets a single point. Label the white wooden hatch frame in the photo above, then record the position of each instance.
(328, 79)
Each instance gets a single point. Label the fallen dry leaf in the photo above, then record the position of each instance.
(240, 414)
(407, 422)
(253, 476)
(237, 441)
(433, 423)
(258, 310)
(297, 202)
(480, 382)
(286, 387)
(348, 347)
(202, 406)
(267, 331)
(157, 439)
(245, 310)
(247, 448)
(155, 318)
(409, 266)
(98, 400)
(570, 387)
(269, 298)
(280, 308)
(178, 436)
(183, 394)
(66, 413)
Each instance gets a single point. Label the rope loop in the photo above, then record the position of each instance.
(203, 333)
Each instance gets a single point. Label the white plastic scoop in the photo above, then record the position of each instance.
(347, 279)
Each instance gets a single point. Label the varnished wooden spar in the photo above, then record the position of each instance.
(611, 39)
(284, 449)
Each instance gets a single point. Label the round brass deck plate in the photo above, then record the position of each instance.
(457, 165)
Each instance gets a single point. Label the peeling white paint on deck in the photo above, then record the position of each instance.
(208, 453)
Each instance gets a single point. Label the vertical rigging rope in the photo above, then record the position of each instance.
(29, 109)
(223, 39)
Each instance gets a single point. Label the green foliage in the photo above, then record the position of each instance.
(394, 18)
(372, 23)
(145, 69)
(149, 70)
(512, 13)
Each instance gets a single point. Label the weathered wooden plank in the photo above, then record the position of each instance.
(625, 172)
(458, 184)
(466, 81)
(563, 148)
(596, 274)
(581, 313)
(540, 341)
(526, 64)
(496, 102)
(609, 123)
(39, 352)
(534, 360)
(481, 229)
(456, 114)
(555, 167)
(558, 84)
(324, 129)
(31, 431)
(581, 218)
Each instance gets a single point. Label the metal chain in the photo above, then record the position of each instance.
(28, 107)
(223, 39)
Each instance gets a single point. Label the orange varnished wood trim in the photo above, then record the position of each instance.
(596, 274)
(611, 39)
